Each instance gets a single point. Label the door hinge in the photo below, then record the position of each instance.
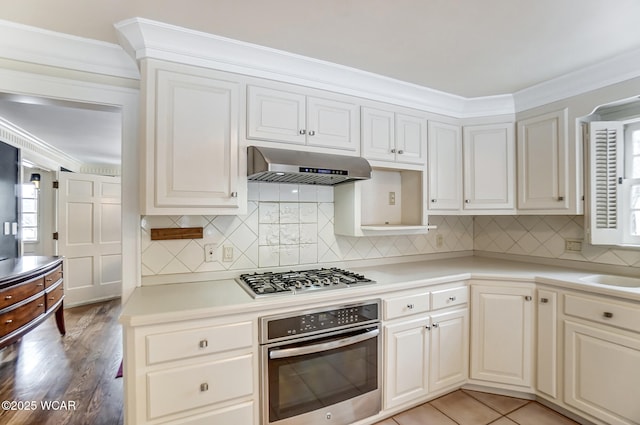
(55, 236)
(56, 184)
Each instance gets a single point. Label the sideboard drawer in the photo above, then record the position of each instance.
(52, 277)
(198, 342)
(54, 295)
(615, 313)
(20, 292)
(406, 305)
(183, 388)
(20, 316)
(449, 297)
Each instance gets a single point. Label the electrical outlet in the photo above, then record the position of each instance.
(227, 253)
(210, 252)
(392, 198)
(572, 245)
(439, 240)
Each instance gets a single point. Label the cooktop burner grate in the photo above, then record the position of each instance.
(301, 281)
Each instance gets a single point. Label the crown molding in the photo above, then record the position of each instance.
(143, 38)
(617, 69)
(36, 45)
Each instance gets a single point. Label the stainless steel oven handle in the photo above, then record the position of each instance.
(326, 346)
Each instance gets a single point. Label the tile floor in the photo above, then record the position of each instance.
(465, 407)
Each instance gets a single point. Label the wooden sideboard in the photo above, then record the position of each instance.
(31, 290)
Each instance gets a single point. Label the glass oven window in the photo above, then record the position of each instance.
(309, 382)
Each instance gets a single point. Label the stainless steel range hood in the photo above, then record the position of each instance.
(289, 166)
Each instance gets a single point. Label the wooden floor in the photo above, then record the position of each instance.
(53, 380)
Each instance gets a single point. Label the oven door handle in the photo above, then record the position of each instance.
(326, 346)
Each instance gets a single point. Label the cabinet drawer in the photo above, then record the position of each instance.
(620, 314)
(198, 342)
(52, 277)
(190, 387)
(54, 295)
(20, 316)
(20, 292)
(406, 305)
(449, 297)
(234, 415)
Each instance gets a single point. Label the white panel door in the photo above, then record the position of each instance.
(602, 373)
(489, 167)
(276, 115)
(333, 124)
(449, 345)
(543, 176)
(445, 167)
(411, 139)
(89, 232)
(378, 134)
(502, 334)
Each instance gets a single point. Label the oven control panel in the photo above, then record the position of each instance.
(319, 320)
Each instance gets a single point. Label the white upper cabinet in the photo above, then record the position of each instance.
(191, 156)
(393, 135)
(489, 167)
(445, 167)
(543, 175)
(281, 115)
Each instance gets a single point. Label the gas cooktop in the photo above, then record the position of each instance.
(301, 281)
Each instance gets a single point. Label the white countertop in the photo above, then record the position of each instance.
(192, 300)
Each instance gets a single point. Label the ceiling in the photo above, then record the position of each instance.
(469, 48)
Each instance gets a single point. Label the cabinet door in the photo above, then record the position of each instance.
(445, 166)
(195, 151)
(542, 162)
(547, 347)
(333, 124)
(489, 167)
(276, 115)
(378, 134)
(602, 373)
(449, 362)
(502, 334)
(411, 139)
(407, 360)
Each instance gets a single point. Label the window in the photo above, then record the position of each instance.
(614, 207)
(29, 213)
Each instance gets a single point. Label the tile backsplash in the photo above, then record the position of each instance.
(289, 225)
(545, 236)
(285, 225)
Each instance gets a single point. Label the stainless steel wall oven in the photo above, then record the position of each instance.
(321, 366)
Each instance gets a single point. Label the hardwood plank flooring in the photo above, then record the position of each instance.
(78, 369)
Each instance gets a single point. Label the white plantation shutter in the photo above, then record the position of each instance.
(606, 163)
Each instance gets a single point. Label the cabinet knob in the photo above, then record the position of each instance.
(466, 201)
(544, 300)
(400, 152)
(203, 343)
(560, 198)
(410, 306)
(452, 298)
(234, 194)
(204, 387)
(428, 327)
(8, 297)
(607, 315)
(435, 325)
(303, 132)
(312, 133)
(527, 298)
(393, 151)
(434, 200)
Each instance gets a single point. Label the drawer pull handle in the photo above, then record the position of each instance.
(527, 298)
(49, 279)
(40, 305)
(8, 322)
(452, 298)
(544, 300)
(204, 343)
(52, 298)
(410, 306)
(40, 284)
(8, 297)
(608, 315)
(204, 387)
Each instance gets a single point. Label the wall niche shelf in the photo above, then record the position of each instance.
(390, 203)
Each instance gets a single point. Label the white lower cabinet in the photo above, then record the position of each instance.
(192, 373)
(425, 353)
(547, 346)
(502, 334)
